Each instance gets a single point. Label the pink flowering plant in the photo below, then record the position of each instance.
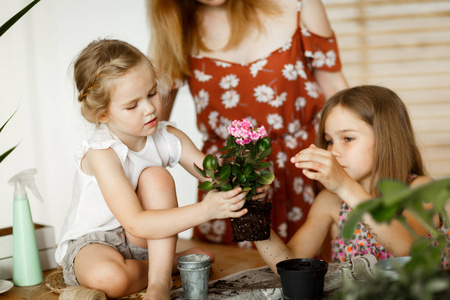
(242, 162)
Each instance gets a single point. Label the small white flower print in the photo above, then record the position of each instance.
(229, 81)
(263, 93)
(257, 66)
(222, 64)
(295, 214)
(221, 129)
(230, 99)
(276, 184)
(305, 31)
(212, 149)
(302, 134)
(275, 120)
(201, 76)
(281, 160)
(289, 72)
(213, 119)
(330, 58)
(308, 194)
(201, 100)
(279, 100)
(319, 59)
(300, 68)
(286, 46)
(245, 245)
(294, 126)
(311, 89)
(300, 102)
(282, 230)
(290, 141)
(205, 228)
(298, 185)
(218, 227)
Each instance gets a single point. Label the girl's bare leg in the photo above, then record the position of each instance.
(156, 190)
(102, 268)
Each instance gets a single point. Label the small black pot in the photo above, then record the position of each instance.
(302, 278)
(254, 225)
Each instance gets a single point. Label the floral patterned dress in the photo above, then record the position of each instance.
(360, 244)
(278, 91)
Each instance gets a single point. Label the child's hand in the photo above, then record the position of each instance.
(321, 165)
(222, 205)
(261, 192)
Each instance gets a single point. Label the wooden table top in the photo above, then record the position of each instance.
(228, 260)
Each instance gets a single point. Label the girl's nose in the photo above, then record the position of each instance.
(149, 108)
(335, 151)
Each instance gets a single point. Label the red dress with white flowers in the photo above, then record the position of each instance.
(278, 91)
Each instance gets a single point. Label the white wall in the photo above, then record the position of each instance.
(35, 78)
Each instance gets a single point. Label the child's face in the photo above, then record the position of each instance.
(134, 107)
(352, 142)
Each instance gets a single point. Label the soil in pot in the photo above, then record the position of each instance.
(302, 278)
(255, 224)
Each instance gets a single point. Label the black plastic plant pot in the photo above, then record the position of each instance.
(254, 225)
(302, 278)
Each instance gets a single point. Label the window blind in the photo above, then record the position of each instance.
(403, 45)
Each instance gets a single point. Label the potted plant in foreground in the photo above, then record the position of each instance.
(424, 276)
(242, 164)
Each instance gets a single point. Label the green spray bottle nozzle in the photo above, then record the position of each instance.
(22, 180)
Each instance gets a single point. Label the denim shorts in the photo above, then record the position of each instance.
(115, 239)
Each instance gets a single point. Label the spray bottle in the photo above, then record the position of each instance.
(26, 264)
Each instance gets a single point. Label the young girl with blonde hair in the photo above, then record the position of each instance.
(365, 135)
(121, 231)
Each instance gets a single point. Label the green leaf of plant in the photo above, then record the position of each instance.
(209, 162)
(206, 186)
(225, 172)
(16, 17)
(226, 187)
(7, 121)
(4, 155)
(266, 177)
(199, 171)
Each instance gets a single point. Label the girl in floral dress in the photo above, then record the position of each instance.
(272, 62)
(365, 135)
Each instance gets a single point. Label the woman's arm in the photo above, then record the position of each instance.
(308, 240)
(314, 17)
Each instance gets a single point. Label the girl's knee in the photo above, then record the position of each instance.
(156, 189)
(155, 176)
(111, 279)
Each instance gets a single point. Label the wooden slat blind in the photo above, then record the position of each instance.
(403, 45)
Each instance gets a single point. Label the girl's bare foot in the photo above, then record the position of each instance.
(196, 250)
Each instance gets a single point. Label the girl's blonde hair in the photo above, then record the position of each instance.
(97, 68)
(396, 153)
(176, 33)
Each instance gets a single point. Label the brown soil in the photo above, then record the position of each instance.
(255, 224)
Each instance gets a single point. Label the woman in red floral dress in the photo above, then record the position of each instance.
(272, 62)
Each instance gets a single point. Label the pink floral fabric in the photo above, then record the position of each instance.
(361, 242)
(277, 91)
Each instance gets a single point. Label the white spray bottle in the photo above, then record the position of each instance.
(26, 264)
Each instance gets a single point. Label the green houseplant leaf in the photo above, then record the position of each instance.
(3, 29)
(4, 155)
(16, 17)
